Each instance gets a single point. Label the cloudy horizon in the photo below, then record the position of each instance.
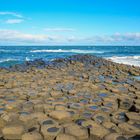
(72, 23)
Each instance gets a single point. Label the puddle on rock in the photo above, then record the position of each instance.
(79, 121)
(94, 108)
(87, 114)
(53, 129)
(47, 122)
(102, 95)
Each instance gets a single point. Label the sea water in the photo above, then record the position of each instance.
(10, 55)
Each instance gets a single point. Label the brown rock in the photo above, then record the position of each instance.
(114, 136)
(56, 93)
(13, 132)
(98, 132)
(77, 131)
(111, 126)
(60, 115)
(32, 136)
(126, 104)
(101, 117)
(133, 116)
(65, 137)
(129, 129)
(119, 117)
(50, 132)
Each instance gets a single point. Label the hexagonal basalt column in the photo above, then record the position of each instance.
(114, 136)
(13, 131)
(98, 132)
(48, 122)
(51, 131)
(61, 115)
(77, 131)
(101, 117)
(119, 117)
(32, 136)
(65, 137)
(128, 129)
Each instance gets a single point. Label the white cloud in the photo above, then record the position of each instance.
(59, 29)
(127, 38)
(13, 37)
(11, 14)
(17, 18)
(16, 37)
(14, 21)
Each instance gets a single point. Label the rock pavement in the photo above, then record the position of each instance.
(82, 97)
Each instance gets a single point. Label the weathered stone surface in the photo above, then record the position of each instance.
(50, 132)
(126, 104)
(2, 123)
(13, 132)
(114, 136)
(119, 117)
(25, 116)
(98, 132)
(129, 129)
(77, 131)
(79, 97)
(39, 116)
(101, 117)
(61, 115)
(39, 107)
(65, 137)
(32, 136)
(56, 93)
(48, 122)
(1, 135)
(111, 127)
(133, 116)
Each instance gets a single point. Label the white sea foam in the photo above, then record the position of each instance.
(129, 60)
(66, 51)
(7, 60)
(27, 59)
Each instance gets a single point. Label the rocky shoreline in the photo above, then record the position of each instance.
(81, 97)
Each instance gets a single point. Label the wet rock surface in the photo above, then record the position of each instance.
(81, 97)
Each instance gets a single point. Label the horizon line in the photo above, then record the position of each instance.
(71, 45)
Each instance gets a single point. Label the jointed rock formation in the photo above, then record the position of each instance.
(82, 97)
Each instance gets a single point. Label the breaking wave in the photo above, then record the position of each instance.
(129, 60)
(66, 51)
(8, 60)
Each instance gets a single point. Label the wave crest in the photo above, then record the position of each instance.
(66, 51)
(129, 60)
(7, 60)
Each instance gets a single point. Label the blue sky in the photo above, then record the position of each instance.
(62, 22)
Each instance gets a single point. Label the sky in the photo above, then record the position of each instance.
(70, 22)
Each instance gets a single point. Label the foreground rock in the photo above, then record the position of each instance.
(82, 97)
(13, 131)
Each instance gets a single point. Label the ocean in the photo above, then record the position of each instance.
(11, 55)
